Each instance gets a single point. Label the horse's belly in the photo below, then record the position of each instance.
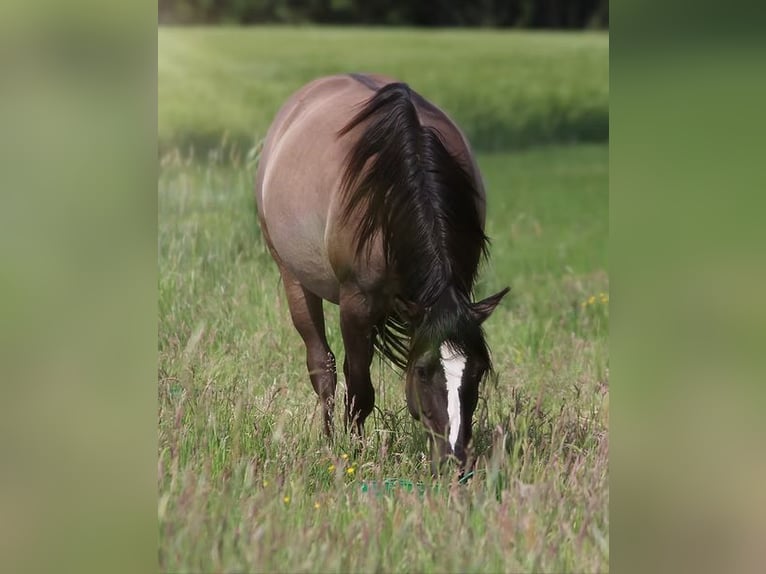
(301, 249)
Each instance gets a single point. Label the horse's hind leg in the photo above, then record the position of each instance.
(308, 318)
(356, 324)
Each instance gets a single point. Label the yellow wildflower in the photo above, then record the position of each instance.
(286, 499)
(350, 471)
(331, 468)
(265, 483)
(316, 506)
(592, 300)
(344, 456)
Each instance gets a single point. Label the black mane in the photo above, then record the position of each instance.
(424, 203)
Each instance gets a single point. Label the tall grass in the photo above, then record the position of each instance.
(246, 480)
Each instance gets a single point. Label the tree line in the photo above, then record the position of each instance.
(558, 14)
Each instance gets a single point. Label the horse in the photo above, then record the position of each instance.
(369, 197)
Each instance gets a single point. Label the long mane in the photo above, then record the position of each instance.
(403, 183)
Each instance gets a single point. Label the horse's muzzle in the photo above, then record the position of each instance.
(444, 460)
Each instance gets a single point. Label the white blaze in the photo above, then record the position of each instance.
(454, 365)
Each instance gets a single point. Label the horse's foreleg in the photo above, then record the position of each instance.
(356, 324)
(308, 318)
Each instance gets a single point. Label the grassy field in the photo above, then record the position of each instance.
(505, 90)
(246, 482)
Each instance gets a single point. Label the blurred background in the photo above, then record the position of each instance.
(572, 14)
(513, 74)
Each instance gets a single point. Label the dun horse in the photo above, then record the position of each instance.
(369, 197)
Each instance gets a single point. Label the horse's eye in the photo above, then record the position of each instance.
(420, 373)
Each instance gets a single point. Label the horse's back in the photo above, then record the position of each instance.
(299, 170)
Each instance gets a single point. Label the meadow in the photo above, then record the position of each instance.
(505, 90)
(246, 481)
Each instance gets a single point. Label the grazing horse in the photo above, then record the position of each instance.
(369, 197)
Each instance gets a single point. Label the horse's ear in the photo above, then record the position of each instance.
(483, 309)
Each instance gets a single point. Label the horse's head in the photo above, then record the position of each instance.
(443, 376)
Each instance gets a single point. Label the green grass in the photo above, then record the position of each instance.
(244, 477)
(506, 89)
